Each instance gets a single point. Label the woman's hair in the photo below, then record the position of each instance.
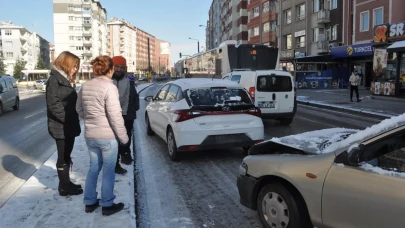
(65, 62)
(102, 65)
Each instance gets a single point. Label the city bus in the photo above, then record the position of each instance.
(230, 56)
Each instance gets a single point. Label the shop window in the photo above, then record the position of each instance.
(301, 12)
(378, 16)
(364, 21)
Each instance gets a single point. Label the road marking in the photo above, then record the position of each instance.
(35, 113)
(316, 121)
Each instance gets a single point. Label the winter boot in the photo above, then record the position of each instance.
(113, 209)
(126, 158)
(65, 188)
(93, 207)
(119, 169)
(70, 165)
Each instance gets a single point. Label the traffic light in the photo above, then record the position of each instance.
(180, 55)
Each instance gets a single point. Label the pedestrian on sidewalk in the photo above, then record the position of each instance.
(354, 85)
(122, 82)
(63, 120)
(98, 104)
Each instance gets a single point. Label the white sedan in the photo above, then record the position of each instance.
(203, 114)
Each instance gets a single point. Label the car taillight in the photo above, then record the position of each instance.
(255, 112)
(252, 93)
(184, 115)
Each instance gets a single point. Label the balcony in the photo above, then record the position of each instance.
(323, 47)
(87, 42)
(87, 32)
(88, 53)
(87, 24)
(323, 16)
(23, 49)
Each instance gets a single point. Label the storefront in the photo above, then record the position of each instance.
(389, 60)
(287, 61)
(357, 57)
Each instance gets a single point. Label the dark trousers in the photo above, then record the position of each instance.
(65, 148)
(355, 89)
(129, 125)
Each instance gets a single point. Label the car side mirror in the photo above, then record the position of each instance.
(148, 98)
(353, 157)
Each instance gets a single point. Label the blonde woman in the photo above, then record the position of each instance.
(63, 120)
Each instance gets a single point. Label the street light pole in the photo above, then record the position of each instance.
(198, 44)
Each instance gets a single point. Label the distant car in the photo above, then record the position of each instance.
(203, 114)
(9, 95)
(44, 88)
(143, 78)
(39, 83)
(328, 178)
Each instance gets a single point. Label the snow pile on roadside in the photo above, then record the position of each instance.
(38, 204)
(369, 132)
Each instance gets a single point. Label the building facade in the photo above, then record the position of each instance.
(162, 56)
(52, 52)
(262, 22)
(81, 28)
(142, 38)
(214, 25)
(234, 20)
(18, 43)
(122, 41)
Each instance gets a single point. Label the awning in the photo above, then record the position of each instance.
(397, 46)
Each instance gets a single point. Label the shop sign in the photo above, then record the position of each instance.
(380, 61)
(397, 30)
(352, 51)
(287, 54)
(381, 33)
(300, 55)
(299, 33)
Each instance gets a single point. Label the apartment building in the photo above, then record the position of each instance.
(80, 27)
(234, 20)
(142, 39)
(162, 56)
(262, 22)
(122, 41)
(18, 43)
(52, 52)
(214, 25)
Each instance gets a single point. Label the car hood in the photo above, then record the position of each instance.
(313, 142)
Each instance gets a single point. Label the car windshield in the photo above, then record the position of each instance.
(328, 142)
(215, 98)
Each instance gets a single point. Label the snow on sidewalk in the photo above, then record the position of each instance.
(38, 203)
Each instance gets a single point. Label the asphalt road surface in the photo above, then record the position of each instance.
(200, 190)
(24, 142)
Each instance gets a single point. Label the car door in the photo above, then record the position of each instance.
(12, 91)
(5, 93)
(155, 107)
(372, 194)
(166, 110)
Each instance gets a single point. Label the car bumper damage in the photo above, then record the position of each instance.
(246, 186)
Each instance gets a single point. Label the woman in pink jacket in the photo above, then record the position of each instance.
(98, 104)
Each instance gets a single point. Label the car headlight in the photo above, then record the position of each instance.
(243, 168)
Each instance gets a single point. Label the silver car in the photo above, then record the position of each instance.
(9, 96)
(328, 178)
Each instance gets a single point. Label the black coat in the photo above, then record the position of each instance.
(133, 104)
(61, 97)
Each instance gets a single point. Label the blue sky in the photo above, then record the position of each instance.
(171, 20)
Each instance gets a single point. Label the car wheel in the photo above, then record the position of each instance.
(286, 121)
(1, 109)
(17, 104)
(171, 145)
(277, 207)
(149, 130)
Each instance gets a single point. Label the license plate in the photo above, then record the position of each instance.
(226, 138)
(268, 104)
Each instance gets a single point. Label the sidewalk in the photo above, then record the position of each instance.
(37, 203)
(339, 100)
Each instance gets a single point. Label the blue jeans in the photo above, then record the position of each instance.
(103, 154)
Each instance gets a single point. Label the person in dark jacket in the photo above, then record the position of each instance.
(63, 120)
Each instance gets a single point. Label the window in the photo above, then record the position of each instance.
(162, 93)
(288, 41)
(378, 16)
(266, 7)
(172, 93)
(287, 16)
(300, 41)
(266, 27)
(236, 78)
(334, 33)
(8, 32)
(333, 4)
(300, 12)
(387, 153)
(256, 12)
(8, 44)
(318, 5)
(317, 33)
(71, 18)
(249, 33)
(71, 37)
(9, 84)
(267, 83)
(256, 31)
(209, 98)
(364, 21)
(9, 54)
(3, 84)
(71, 28)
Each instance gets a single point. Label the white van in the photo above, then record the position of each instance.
(272, 91)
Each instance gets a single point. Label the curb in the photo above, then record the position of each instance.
(346, 110)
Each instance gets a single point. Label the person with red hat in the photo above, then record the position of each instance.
(123, 85)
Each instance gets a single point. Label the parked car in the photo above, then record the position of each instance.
(328, 178)
(39, 83)
(142, 78)
(9, 95)
(203, 114)
(273, 91)
(44, 88)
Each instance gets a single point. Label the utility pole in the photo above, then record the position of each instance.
(159, 66)
(149, 67)
(198, 48)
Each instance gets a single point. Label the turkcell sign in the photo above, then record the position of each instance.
(355, 50)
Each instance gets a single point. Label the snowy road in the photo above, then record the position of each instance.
(200, 190)
(24, 143)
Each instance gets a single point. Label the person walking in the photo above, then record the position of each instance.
(98, 104)
(122, 82)
(354, 85)
(63, 120)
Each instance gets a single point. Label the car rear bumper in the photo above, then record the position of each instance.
(278, 115)
(246, 186)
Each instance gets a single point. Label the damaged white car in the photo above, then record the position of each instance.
(203, 114)
(328, 178)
